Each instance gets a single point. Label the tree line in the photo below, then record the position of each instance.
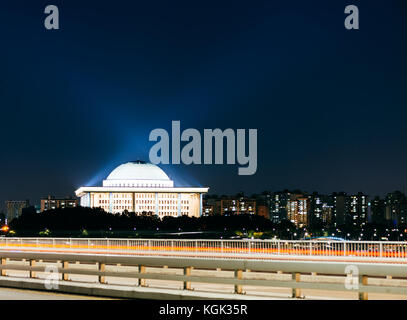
(84, 218)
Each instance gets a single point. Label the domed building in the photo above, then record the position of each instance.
(138, 186)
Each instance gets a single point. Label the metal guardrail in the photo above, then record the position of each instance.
(36, 263)
(378, 250)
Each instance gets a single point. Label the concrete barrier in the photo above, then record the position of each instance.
(71, 264)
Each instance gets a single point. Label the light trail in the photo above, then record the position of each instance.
(227, 249)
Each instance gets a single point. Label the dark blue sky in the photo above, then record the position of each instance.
(329, 104)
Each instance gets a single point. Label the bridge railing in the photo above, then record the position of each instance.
(214, 248)
(241, 274)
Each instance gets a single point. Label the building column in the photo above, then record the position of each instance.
(156, 203)
(179, 204)
(200, 204)
(111, 202)
(85, 200)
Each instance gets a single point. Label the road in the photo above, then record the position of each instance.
(321, 250)
(23, 294)
(270, 292)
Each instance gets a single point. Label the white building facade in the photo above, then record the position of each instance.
(142, 187)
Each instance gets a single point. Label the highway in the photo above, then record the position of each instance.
(24, 294)
(321, 250)
(121, 257)
(250, 291)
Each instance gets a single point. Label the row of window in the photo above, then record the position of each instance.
(139, 185)
(138, 195)
(144, 202)
(146, 208)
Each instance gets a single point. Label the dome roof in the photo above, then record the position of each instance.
(137, 170)
(138, 174)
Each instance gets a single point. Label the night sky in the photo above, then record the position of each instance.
(329, 104)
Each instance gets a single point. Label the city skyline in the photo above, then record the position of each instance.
(139, 189)
(297, 206)
(37, 201)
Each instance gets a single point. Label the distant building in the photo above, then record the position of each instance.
(298, 209)
(237, 205)
(316, 203)
(320, 210)
(263, 201)
(278, 205)
(326, 215)
(208, 207)
(339, 206)
(234, 205)
(51, 202)
(378, 210)
(263, 210)
(349, 209)
(396, 207)
(14, 208)
(357, 209)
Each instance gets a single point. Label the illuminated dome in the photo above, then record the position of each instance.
(138, 174)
